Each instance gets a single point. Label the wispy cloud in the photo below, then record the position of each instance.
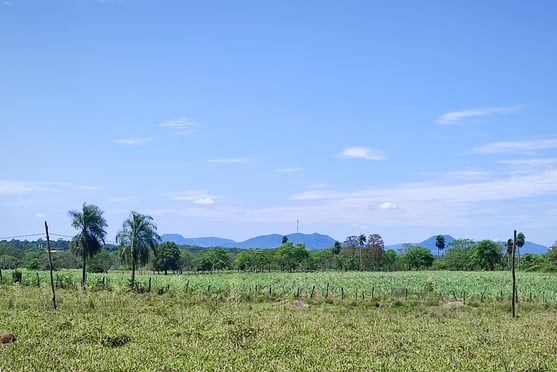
(536, 162)
(182, 126)
(359, 152)
(454, 116)
(516, 146)
(425, 203)
(8, 187)
(195, 196)
(134, 141)
(11, 187)
(232, 160)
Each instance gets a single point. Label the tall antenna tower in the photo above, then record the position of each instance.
(297, 226)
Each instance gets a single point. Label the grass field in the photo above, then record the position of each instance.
(231, 329)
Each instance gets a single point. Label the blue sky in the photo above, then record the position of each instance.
(238, 118)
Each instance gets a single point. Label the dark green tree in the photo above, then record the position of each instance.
(166, 257)
(137, 237)
(418, 258)
(212, 259)
(90, 239)
(101, 263)
(389, 259)
(185, 261)
(486, 254)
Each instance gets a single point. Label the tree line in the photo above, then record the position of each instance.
(138, 246)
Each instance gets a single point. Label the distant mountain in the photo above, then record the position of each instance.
(311, 241)
(429, 243)
(534, 248)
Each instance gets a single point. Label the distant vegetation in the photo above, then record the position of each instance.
(353, 254)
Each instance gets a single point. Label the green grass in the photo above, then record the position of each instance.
(118, 330)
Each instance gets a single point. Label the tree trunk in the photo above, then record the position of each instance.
(83, 273)
(133, 275)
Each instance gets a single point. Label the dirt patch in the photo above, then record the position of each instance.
(453, 303)
(298, 305)
(7, 338)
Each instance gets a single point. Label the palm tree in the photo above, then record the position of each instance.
(88, 242)
(510, 247)
(520, 240)
(138, 235)
(440, 244)
(361, 241)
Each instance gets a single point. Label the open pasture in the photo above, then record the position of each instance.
(119, 330)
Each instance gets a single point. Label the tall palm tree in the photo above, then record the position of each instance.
(440, 244)
(362, 239)
(90, 239)
(520, 240)
(138, 235)
(510, 247)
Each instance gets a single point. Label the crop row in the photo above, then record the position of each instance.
(470, 285)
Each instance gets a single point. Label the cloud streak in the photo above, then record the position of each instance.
(181, 127)
(455, 116)
(360, 152)
(516, 146)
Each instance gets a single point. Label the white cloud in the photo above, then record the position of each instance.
(204, 201)
(133, 140)
(388, 205)
(358, 152)
(454, 116)
(195, 196)
(232, 160)
(182, 126)
(40, 215)
(516, 146)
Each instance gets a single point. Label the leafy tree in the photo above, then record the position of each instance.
(351, 243)
(284, 239)
(185, 261)
(290, 256)
(251, 259)
(459, 255)
(212, 259)
(101, 263)
(138, 235)
(440, 244)
(90, 239)
(418, 258)
(375, 249)
(167, 257)
(487, 254)
(389, 259)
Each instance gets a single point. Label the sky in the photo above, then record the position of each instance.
(243, 118)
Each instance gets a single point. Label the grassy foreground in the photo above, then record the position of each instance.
(117, 330)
